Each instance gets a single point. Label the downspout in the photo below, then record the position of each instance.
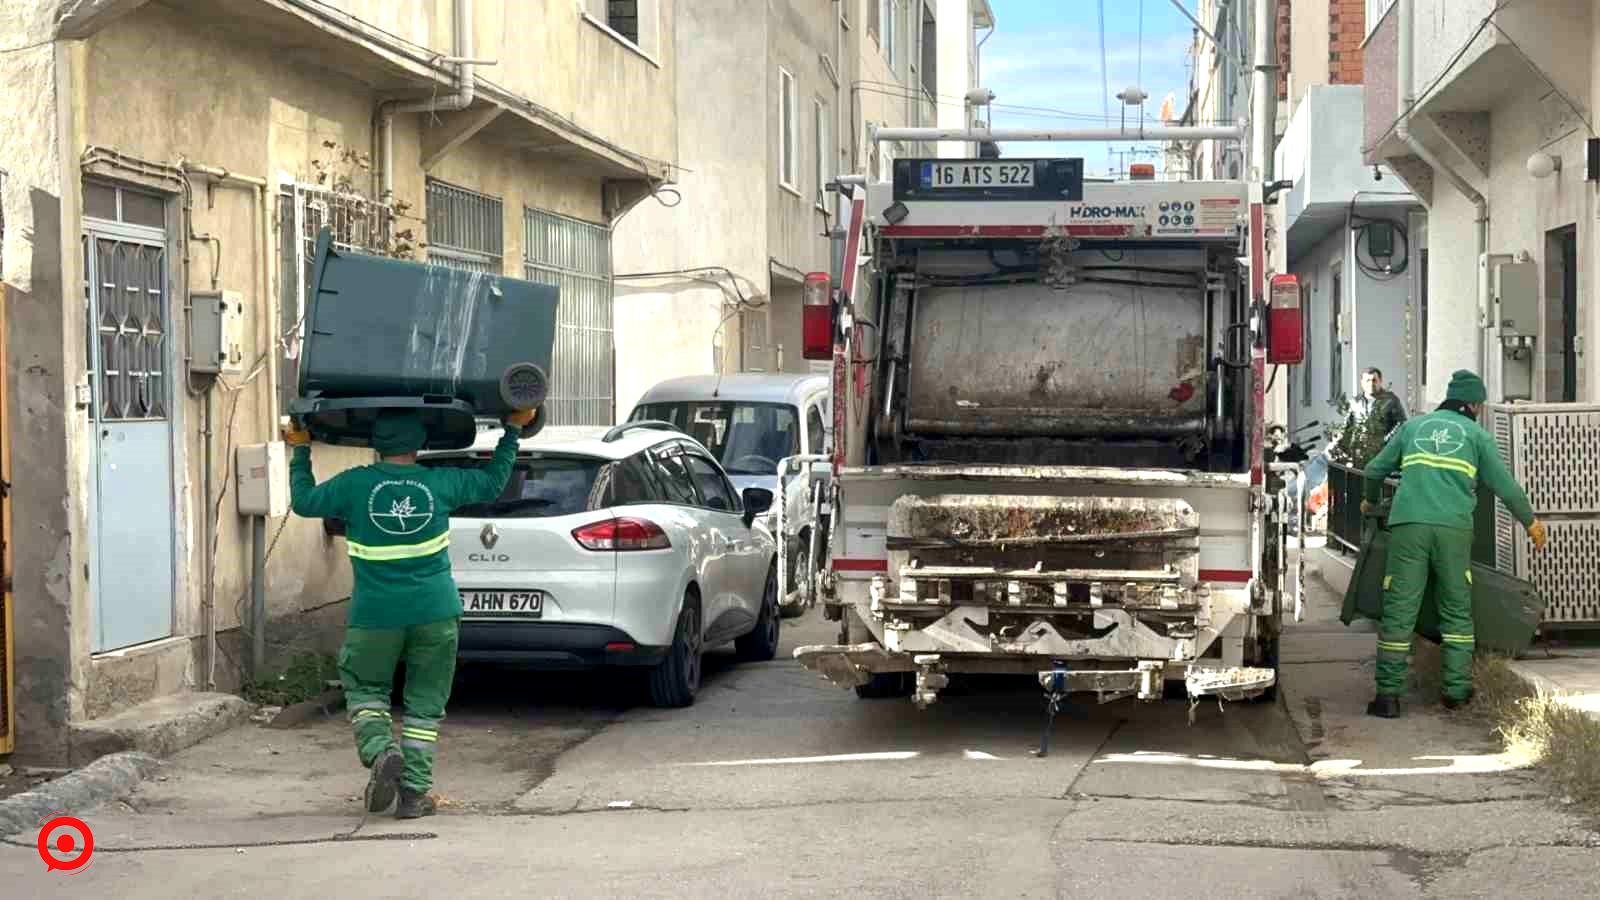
(1406, 62)
(466, 88)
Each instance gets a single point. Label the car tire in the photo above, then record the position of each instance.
(886, 685)
(761, 644)
(675, 681)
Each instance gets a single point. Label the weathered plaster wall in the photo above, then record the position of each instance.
(681, 324)
(40, 260)
(546, 50)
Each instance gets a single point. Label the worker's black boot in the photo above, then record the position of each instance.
(385, 779)
(415, 804)
(1453, 704)
(1384, 707)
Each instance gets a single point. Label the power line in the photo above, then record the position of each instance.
(33, 46)
(1139, 72)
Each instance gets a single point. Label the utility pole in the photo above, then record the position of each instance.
(1264, 114)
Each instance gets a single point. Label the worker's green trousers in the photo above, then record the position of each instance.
(1415, 553)
(367, 664)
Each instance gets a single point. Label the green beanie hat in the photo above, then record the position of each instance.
(1466, 387)
(398, 432)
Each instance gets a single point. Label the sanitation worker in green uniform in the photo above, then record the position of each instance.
(405, 605)
(1441, 456)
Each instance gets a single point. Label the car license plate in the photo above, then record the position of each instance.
(520, 604)
(937, 175)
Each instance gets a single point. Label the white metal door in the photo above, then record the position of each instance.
(130, 414)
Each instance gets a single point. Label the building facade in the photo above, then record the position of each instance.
(1490, 126)
(710, 273)
(161, 153)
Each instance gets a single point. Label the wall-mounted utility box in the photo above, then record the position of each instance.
(216, 332)
(263, 480)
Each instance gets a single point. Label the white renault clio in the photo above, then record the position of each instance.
(630, 548)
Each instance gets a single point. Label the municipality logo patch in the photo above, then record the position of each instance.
(400, 507)
(1440, 438)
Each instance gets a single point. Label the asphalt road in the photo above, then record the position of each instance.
(778, 784)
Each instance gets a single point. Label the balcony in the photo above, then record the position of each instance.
(1468, 60)
(1321, 153)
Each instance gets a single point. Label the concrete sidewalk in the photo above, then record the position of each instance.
(1570, 673)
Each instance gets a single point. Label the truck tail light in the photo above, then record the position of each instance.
(817, 318)
(622, 535)
(1285, 326)
(1142, 172)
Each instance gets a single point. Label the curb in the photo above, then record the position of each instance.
(107, 778)
(1547, 687)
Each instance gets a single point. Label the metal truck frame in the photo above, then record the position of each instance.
(1120, 552)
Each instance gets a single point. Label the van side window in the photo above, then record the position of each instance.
(815, 436)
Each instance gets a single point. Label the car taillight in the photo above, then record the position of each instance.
(622, 534)
(816, 319)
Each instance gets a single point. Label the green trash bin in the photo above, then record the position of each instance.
(1506, 611)
(459, 346)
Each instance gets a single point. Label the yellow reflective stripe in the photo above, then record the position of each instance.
(371, 714)
(1387, 580)
(1433, 461)
(400, 551)
(1469, 576)
(1394, 646)
(419, 735)
(1457, 638)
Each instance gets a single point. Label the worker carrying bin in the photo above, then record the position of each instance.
(456, 346)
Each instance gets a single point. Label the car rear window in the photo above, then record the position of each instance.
(540, 487)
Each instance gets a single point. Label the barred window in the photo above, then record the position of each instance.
(575, 256)
(466, 230)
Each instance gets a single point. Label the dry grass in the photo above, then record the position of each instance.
(1560, 740)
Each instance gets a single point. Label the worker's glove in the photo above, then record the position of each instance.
(1367, 508)
(1538, 534)
(522, 418)
(295, 437)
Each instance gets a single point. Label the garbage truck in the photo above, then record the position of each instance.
(1048, 417)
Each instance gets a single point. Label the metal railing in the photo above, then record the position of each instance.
(1345, 524)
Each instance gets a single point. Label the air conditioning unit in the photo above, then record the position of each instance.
(1553, 451)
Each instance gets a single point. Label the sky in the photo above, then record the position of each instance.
(1046, 54)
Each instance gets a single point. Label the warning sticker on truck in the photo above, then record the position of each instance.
(1211, 215)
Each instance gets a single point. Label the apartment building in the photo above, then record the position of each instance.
(710, 272)
(1485, 111)
(161, 151)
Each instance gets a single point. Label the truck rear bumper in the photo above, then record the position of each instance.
(852, 665)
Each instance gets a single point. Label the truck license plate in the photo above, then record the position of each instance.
(978, 175)
(521, 604)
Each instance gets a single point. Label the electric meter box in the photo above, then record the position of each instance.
(216, 332)
(456, 345)
(263, 476)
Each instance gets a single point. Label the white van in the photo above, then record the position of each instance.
(750, 423)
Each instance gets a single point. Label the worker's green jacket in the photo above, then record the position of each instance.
(397, 528)
(1442, 456)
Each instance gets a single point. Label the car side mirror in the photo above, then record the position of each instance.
(756, 503)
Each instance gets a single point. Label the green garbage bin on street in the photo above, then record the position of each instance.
(1506, 611)
(458, 346)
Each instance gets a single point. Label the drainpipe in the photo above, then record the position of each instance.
(1406, 62)
(466, 87)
